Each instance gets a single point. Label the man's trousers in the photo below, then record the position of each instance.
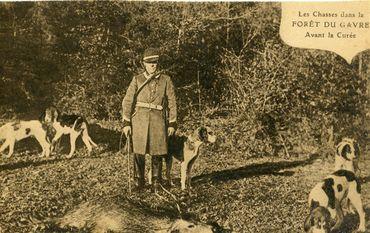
(139, 168)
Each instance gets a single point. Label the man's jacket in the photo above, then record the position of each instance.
(150, 112)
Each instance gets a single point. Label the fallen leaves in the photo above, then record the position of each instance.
(259, 195)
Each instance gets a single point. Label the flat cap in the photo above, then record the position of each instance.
(151, 55)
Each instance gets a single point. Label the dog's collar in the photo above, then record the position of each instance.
(190, 143)
(343, 144)
(190, 138)
(193, 142)
(345, 157)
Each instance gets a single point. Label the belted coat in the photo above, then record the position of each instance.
(149, 124)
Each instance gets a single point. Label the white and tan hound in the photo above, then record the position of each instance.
(18, 130)
(325, 201)
(346, 158)
(186, 150)
(347, 154)
(74, 125)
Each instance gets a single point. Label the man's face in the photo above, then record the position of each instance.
(150, 67)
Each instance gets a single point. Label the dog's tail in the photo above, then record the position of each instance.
(314, 204)
(77, 125)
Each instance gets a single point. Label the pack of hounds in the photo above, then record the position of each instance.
(337, 192)
(340, 190)
(52, 125)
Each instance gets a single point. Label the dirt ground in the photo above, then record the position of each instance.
(240, 195)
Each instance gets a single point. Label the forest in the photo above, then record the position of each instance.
(227, 62)
(264, 99)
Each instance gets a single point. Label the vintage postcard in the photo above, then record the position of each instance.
(184, 116)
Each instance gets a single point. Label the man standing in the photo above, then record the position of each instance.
(149, 116)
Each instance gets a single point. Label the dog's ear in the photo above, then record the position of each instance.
(346, 149)
(356, 148)
(308, 223)
(203, 134)
(326, 219)
(54, 113)
(42, 116)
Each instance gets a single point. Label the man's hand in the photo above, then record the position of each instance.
(127, 130)
(171, 131)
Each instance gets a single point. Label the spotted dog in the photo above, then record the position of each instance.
(18, 130)
(74, 125)
(186, 150)
(348, 152)
(325, 202)
(346, 158)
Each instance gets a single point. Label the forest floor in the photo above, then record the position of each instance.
(240, 195)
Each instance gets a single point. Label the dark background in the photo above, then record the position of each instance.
(227, 61)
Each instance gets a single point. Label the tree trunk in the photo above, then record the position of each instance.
(331, 136)
(181, 30)
(227, 23)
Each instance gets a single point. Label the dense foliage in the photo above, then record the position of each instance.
(226, 60)
(231, 71)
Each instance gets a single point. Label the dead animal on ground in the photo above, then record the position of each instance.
(102, 218)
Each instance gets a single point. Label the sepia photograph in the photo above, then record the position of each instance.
(176, 116)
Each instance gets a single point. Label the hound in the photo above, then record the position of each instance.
(186, 150)
(346, 158)
(325, 202)
(18, 130)
(347, 154)
(74, 125)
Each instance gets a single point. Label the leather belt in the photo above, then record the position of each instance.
(149, 105)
